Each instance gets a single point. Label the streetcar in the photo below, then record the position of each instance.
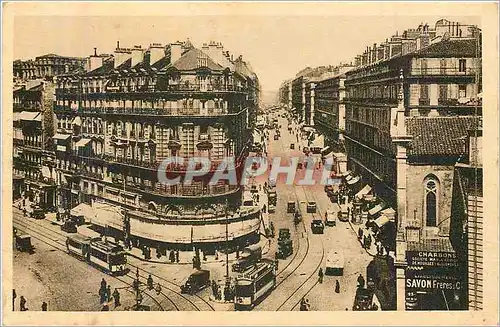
(252, 286)
(249, 256)
(334, 263)
(79, 246)
(109, 257)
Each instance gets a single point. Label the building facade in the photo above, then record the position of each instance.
(33, 156)
(410, 102)
(299, 98)
(48, 65)
(329, 107)
(120, 119)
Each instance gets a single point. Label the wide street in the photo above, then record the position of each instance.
(36, 276)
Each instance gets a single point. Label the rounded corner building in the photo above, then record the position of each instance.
(125, 113)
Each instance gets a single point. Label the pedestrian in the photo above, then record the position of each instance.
(303, 306)
(337, 286)
(158, 289)
(150, 282)
(22, 304)
(14, 295)
(320, 275)
(105, 307)
(264, 209)
(360, 233)
(308, 306)
(361, 281)
(108, 293)
(44, 306)
(103, 283)
(116, 297)
(177, 256)
(171, 256)
(102, 295)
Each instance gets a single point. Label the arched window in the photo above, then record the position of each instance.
(431, 204)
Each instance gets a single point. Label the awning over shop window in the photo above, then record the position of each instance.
(381, 221)
(46, 172)
(346, 174)
(61, 148)
(389, 213)
(326, 149)
(319, 142)
(30, 116)
(77, 121)
(376, 209)
(107, 215)
(61, 136)
(82, 143)
(84, 210)
(365, 190)
(353, 180)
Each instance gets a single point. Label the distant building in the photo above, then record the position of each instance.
(48, 65)
(299, 99)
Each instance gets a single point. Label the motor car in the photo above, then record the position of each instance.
(317, 226)
(311, 207)
(331, 218)
(197, 281)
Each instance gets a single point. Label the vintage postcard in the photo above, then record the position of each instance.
(228, 162)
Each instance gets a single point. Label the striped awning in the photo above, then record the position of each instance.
(376, 209)
(353, 180)
(365, 190)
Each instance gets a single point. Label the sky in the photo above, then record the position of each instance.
(277, 47)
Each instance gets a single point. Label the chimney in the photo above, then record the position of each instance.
(121, 55)
(175, 51)
(215, 52)
(137, 55)
(95, 61)
(156, 52)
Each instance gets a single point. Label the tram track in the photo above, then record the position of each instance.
(183, 298)
(44, 238)
(296, 293)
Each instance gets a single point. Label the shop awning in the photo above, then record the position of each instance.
(319, 142)
(381, 221)
(77, 121)
(353, 180)
(329, 155)
(365, 190)
(389, 213)
(326, 149)
(84, 210)
(61, 136)
(82, 143)
(30, 116)
(61, 148)
(376, 209)
(346, 174)
(107, 215)
(46, 172)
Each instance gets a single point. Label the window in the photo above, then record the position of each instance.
(462, 91)
(431, 202)
(462, 67)
(424, 91)
(443, 91)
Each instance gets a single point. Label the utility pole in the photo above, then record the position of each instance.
(227, 244)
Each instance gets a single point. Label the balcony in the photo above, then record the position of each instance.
(443, 71)
(424, 102)
(167, 112)
(85, 173)
(371, 100)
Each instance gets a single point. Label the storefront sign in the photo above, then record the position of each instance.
(432, 284)
(431, 259)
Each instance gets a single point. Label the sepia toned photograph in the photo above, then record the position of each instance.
(253, 157)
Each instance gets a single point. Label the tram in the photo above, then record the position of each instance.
(109, 257)
(254, 284)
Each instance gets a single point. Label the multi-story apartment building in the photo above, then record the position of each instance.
(410, 102)
(329, 107)
(48, 65)
(120, 119)
(33, 126)
(467, 224)
(285, 94)
(299, 98)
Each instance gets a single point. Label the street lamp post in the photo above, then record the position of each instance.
(227, 244)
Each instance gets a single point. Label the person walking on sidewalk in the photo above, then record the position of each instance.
(361, 281)
(44, 306)
(320, 275)
(116, 297)
(337, 286)
(150, 282)
(22, 304)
